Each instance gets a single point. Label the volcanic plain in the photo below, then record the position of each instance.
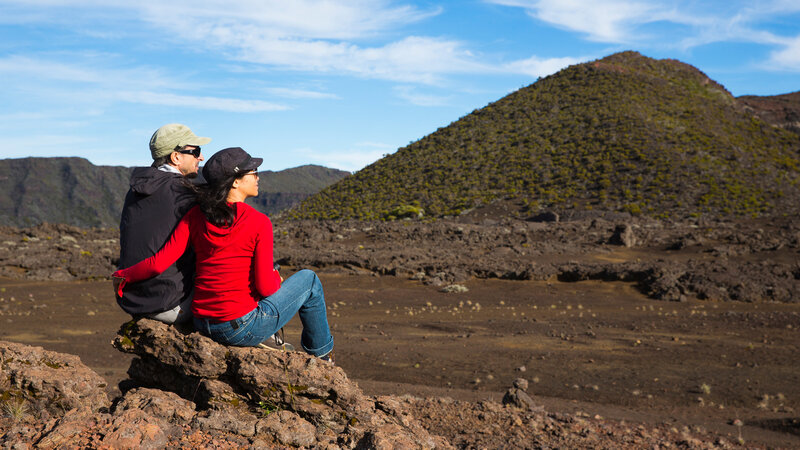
(687, 325)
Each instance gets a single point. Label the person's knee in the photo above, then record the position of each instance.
(307, 273)
(312, 278)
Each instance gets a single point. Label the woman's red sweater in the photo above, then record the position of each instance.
(234, 264)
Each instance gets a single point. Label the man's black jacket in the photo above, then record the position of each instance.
(153, 207)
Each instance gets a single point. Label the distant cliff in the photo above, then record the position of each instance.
(61, 190)
(779, 110)
(75, 192)
(282, 190)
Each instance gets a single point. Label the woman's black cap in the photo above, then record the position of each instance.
(232, 161)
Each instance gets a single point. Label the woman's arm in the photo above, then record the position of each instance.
(154, 265)
(267, 279)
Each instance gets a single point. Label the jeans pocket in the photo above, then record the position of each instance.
(233, 332)
(266, 315)
(225, 334)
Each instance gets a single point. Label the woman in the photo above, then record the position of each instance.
(239, 297)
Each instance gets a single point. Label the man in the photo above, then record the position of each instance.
(158, 197)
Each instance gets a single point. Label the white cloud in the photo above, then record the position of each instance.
(299, 93)
(306, 19)
(318, 19)
(352, 160)
(411, 59)
(375, 145)
(305, 35)
(26, 116)
(692, 23)
(318, 36)
(787, 57)
(98, 85)
(86, 69)
(540, 67)
(607, 21)
(43, 145)
(411, 95)
(198, 102)
(29, 67)
(328, 36)
(778, 6)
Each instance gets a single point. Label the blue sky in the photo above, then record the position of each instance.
(338, 82)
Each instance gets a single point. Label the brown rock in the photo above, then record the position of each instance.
(288, 428)
(135, 428)
(193, 354)
(238, 380)
(150, 372)
(230, 420)
(292, 375)
(520, 399)
(216, 394)
(157, 403)
(70, 425)
(623, 235)
(49, 381)
(391, 436)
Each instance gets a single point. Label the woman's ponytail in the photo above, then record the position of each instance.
(213, 201)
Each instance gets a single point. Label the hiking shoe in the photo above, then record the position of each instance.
(328, 358)
(276, 343)
(278, 338)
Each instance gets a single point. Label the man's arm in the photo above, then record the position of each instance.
(154, 265)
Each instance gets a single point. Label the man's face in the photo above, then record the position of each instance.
(186, 161)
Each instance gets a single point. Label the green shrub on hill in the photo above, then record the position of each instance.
(405, 212)
(624, 133)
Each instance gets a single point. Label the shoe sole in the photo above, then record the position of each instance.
(282, 348)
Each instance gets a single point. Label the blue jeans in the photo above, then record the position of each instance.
(302, 292)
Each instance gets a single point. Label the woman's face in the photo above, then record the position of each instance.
(248, 184)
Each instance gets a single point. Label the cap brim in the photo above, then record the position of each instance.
(197, 141)
(254, 163)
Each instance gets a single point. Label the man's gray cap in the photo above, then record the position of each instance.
(171, 137)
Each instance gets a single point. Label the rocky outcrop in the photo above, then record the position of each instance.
(517, 396)
(293, 398)
(48, 383)
(746, 261)
(741, 261)
(55, 252)
(257, 398)
(187, 389)
(623, 235)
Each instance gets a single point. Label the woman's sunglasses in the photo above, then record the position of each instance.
(194, 152)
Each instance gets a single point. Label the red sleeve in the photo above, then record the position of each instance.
(267, 279)
(154, 265)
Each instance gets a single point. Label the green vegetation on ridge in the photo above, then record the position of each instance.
(624, 133)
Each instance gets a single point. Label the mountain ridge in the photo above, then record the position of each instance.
(624, 133)
(73, 191)
(780, 110)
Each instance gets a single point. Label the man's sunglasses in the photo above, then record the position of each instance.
(194, 152)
